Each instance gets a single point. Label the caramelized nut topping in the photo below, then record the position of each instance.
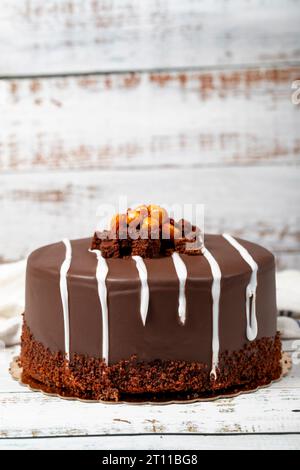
(147, 231)
(170, 231)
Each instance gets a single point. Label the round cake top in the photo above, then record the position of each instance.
(47, 261)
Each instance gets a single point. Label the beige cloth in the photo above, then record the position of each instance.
(12, 295)
(288, 303)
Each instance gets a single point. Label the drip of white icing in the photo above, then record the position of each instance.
(215, 292)
(142, 270)
(250, 289)
(181, 271)
(101, 274)
(64, 294)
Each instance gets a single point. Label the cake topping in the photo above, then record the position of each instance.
(149, 232)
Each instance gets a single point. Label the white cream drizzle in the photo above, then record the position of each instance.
(181, 272)
(63, 285)
(142, 270)
(101, 274)
(215, 292)
(251, 330)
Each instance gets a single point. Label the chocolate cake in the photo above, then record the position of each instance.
(128, 317)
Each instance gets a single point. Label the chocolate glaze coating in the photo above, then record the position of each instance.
(163, 337)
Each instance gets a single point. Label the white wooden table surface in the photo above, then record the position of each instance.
(268, 418)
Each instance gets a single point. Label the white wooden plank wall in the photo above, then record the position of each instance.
(214, 118)
(108, 35)
(194, 96)
(39, 206)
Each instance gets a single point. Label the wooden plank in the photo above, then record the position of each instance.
(257, 203)
(158, 442)
(269, 410)
(142, 120)
(38, 37)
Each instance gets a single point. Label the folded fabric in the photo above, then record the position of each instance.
(288, 327)
(12, 297)
(10, 331)
(288, 303)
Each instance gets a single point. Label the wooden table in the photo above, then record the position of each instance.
(267, 419)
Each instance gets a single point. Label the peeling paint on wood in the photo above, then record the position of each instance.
(216, 118)
(257, 203)
(270, 410)
(265, 411)
(73, 36)
(159, 442)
